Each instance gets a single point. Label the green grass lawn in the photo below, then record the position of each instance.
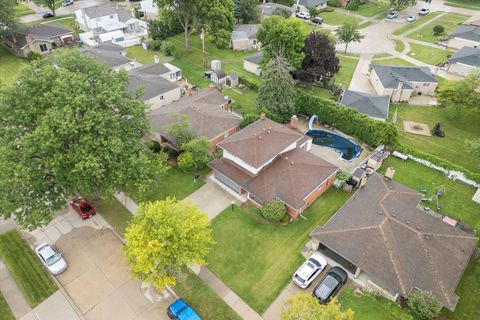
(347, 68)
(146, 56)
(392, 62)
(382, 55)
(10, 66)
(336, 18)
(256, 260)
(473, 4)
(23, 10)
(31, 277)
(114, 212)
(428, 54)
(372, 7)
(451, 147)
(421, 20)
(67, 16)
(371, 307)
(204, 300)
(243, 103)
(449, 21)
(399, 45)
(457, 201)
(5, 312)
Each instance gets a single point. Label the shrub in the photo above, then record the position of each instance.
(168, 48)
(32, 55)
(335, 3)
(185, 161)
(200, 151)
(155, 45)
(423, 305)
(248, 119)
(166, 26)
(154, 146)
(274, 210)
(353, 5)
(438, 29)
(252, 85)
(313, 12)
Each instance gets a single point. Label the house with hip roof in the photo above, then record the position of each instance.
(464, 61)
(390, 246)
(372, 105)
(111, 54)
(267, 160)
(464, 36)
(400, 83)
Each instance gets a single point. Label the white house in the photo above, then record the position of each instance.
(244, 37)
(464, 36)
(104, 23)
(149, 8)
(465, 61)
(252, 63)
(304, 5)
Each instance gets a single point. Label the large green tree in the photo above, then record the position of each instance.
(50, 4)
(248, 11)
(165, 237)
(68, 125)
(305, 307)
(397, 4)
(461, 96)
(347, 33)
(282, 36)
(9, 22)
(277, 89)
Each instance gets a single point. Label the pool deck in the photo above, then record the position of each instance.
(330, 154)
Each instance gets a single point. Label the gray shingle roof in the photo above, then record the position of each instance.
(390, 76)
(467, 32)
(151, 69)
(467, 55)
(268, 8)
(311, 3)
(152, 83)
(380, 230)
(256, 58)
(43, 31)
(108, 53)
(242, 31)
(370, 104)
(99, 11)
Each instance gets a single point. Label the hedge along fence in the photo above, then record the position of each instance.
(347, 120)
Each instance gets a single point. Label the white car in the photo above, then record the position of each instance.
(411, 18)
(303, 15)
(424, 11)
(67, 3)
(309, 270)
(51, 258)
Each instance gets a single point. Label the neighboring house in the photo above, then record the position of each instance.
(372, 105)
(149, 8)
(400, 83)
(207, 115)
(41, 38)
(267, 161)
(154, 79)
(464, 36)
(105, 23)
(112, 55)
(252, 63)
(465, 61)
(244, 37)
(268, 9)
(304, 5)
(391, 246)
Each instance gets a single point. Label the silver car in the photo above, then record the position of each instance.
(51, 258)
(309, 270)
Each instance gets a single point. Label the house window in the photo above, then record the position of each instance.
(426, 84)
(111, 16)
(161, 97)
(254, 42)
(43, 47)
(173, 76)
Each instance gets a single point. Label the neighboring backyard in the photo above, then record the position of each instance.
(257, 260)
(30, 276)
(449, 21)
(452, 147)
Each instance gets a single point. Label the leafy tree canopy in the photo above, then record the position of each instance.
(397, 4)
(248, 11)
(9, 23)
(305, 307)
(423, 305)
(461, 96)
(181, 132)
(348, 33)
(199, 149)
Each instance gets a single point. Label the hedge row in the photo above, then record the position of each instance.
(347, 120)
(447, 165)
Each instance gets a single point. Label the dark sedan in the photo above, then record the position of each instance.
(330, 285)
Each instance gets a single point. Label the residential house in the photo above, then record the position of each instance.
(218, 77)
(305, 5)
(157, 82)
(465, 61)
(372, 105)
(206, 112)
(392, 247)
(40, 38)
(268, 9)
(252, 63)
(400, 83)
(105, 22)
(112, 55)
(464, 36)
(267, 161)
(244, 37)
(149, 9)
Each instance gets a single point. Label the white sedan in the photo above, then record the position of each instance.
(51, 258)
(309, 270)
(411, 18)
(303, 15)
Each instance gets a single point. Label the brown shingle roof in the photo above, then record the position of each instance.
(381, 231)
(290, 178)
(204, 113)
(260, 142)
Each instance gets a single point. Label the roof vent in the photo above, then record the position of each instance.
(268, 131)
(286, 158)
(407, 222)
(427, 237)
(394, 215)
(292, 163)
(259, 137)
(380, 212)
(418, 228)
(255, 134)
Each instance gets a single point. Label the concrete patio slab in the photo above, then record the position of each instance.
(56, 307)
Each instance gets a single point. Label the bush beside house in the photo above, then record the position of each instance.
(274, 210)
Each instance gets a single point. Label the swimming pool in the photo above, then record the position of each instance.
(348, 149)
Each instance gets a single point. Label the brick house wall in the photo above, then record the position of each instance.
(220, 138)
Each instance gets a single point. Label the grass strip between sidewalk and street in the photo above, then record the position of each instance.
(5, 312)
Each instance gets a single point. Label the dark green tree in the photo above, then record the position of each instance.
(461, 96)
(249, 12)
(9, 23)
(397, 4)
(347, 33)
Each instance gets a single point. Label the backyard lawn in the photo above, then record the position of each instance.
(336, 18)
(243, 103)
(421, 20)
(452, 147)
(371, 307)
(10, 66)
(372, 7)
(31, 277)
(146, 56)
(113, 211)
(256, 260)
(204, 300)
(449, 21)
(5, 312)
(428, 54)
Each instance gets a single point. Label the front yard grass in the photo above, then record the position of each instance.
(336, 18)
(428, 55)
(421, 20)
(204, 300)
(474, 5)
(256, 260)
(23, 10)
(371, 307)
(30, 276)
(347, 68)
(372, 7)
(399, 45)
(392, 62)
(449, 21)
(10, 66)
(5, 312)
(114, 212)
(452, 147)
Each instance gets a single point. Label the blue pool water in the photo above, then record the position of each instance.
(348, 149)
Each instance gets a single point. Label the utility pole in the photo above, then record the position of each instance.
(202, 36)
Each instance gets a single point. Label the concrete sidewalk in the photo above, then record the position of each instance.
(12, 294)
(55, 307)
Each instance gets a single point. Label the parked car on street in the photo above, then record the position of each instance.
(46, 15)
(303, 15)
(51, 258)
(82, 207)
(411, 18)
(424, 11)
(309, 270)
(330, 285)
(180, 310)
(317, 20)
(67, 3)
(392, 15)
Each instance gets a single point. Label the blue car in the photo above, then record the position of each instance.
(180, 310)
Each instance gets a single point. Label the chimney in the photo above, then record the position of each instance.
(211, 87)
(189, 92)
(156, 59)
(262, 116)
(294, 122)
